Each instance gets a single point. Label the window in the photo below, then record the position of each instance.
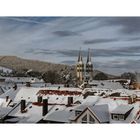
(84, 119)
(71, 110)
(91, 119)
(77, 112)
(115, 117)
(121, 117)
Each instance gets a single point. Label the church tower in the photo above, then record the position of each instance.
(80, 68)
(89, 66)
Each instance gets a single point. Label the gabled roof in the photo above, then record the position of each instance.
(74, 118)
(33, 114)
(122, 109)
(100, 112)
(12, 120)
(59, 116)
(4, 112)
(11, 93)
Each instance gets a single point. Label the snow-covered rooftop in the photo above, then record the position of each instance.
(122, 109)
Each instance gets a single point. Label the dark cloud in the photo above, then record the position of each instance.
(101, 40)
(131, 39)
(120, 52)
(118, 67)
(127, 64)
(131, 49)
(97, 41)
(128, 24)
(65, 33)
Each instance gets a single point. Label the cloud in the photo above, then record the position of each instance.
(32, 20)
(128, 24)
(119, 52)
(98, 41)
(118, 67)
(132, 39)
(65, 33)
(58, 39)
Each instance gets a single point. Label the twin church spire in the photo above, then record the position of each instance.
(89, 57)
(80, 59)
(84, 70)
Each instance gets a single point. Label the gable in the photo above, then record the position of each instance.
(90, 116)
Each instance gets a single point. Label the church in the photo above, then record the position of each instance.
(84, 71)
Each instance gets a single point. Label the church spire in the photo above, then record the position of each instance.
(80, 56)
(80, 67)
(88, 56)
(89, 66)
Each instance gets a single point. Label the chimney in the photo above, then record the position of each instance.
(28, 84)
(23, 106)
(45, 107)
(39, 99)
(70, 100)
(132, 99)
(15, 86)
(129, 100)
(7, 97)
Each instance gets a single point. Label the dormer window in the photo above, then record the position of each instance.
(77, 112)
(71, 110)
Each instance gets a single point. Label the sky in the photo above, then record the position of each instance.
(114, 41)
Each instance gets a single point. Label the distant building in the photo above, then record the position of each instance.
(135, 83)
(80, 68)
(89, 66)
(5, 70)
(84, 71)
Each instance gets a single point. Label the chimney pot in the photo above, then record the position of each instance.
(70, 100)
(45, 107)
(23, 105)
(7, 97)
